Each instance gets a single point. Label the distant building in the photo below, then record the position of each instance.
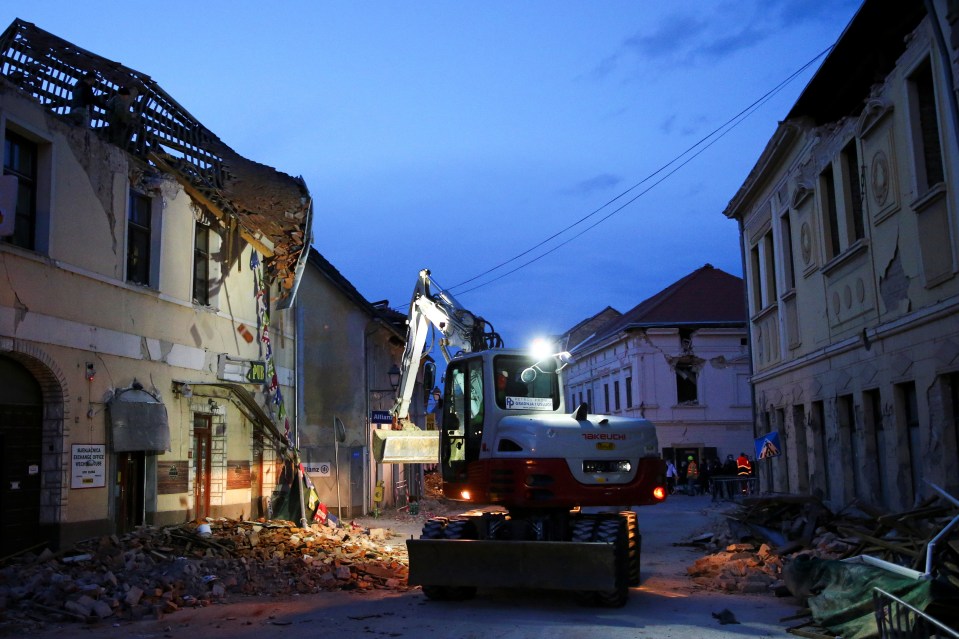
(850, 229)
(680, 359)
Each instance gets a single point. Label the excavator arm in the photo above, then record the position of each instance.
(460, 330)
(431, 308)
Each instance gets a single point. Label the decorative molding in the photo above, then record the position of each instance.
(875, 111)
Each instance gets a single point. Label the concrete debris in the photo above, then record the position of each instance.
(155, 571)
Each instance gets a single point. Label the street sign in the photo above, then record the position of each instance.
(381, 417)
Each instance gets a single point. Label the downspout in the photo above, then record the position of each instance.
(749, 332)
(299, 385)
(368, 366)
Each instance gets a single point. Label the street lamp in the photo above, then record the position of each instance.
(395, 375)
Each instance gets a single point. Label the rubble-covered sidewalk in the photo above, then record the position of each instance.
(793, 545)
(154, 571)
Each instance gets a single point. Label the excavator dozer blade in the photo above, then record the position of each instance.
(554, 565)
(406, 446)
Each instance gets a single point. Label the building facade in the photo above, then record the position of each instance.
(850, 235)
(679, 359)
(349, 347)
(147, 333)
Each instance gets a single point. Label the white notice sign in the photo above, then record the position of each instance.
(88, 466)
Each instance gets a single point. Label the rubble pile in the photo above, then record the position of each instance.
(153, 571)
(738, 568)
(748, 552)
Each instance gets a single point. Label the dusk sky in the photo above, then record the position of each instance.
(458, 136)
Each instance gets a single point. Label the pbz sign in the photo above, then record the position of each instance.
(256, 373)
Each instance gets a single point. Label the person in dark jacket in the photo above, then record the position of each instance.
(84, 99)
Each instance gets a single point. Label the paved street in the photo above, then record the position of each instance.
(666, 605)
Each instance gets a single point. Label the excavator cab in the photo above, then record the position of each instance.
(480, 389)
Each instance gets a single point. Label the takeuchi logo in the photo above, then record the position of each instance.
(607, 436)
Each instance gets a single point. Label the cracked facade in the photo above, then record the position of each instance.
(850, 229)
(141, 382)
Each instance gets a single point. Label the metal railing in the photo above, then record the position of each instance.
(896, 619)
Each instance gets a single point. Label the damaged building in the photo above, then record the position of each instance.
(679, 359)
(147, 332)
(850, 234)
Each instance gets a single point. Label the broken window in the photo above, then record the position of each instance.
(687, 389)
(201, 265)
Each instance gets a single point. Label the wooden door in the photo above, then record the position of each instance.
(130, 484)
(202, 445)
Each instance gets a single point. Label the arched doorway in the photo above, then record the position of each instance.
(21, 439)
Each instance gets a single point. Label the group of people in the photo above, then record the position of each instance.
(719, 479)
(119, 108)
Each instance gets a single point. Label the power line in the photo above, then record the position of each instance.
(692, 152)
(717, 133)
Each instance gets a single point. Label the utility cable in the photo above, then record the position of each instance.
(717, 133)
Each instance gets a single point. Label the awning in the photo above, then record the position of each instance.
(139, 421)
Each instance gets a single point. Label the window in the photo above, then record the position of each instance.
(840, 186)
(606, 396)
(789, 270)
(20, 159)
(763, 263)
(925, 128)
(756, 288)
(589, 399)
(852, 181)
(616, 394)
(138, 239)
(830, 212)
(687, 391)
(629, 392)
(201, 265)
(769, 273)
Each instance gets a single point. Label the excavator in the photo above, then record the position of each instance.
(553, 486)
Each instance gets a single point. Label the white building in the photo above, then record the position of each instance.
(679, 359)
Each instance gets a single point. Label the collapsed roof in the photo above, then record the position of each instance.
(271, 210)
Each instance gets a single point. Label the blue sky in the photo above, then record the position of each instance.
(455, 136)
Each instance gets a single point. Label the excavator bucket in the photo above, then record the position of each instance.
(553, 565)
(406, 446)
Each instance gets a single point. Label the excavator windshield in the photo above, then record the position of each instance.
(512, 393)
